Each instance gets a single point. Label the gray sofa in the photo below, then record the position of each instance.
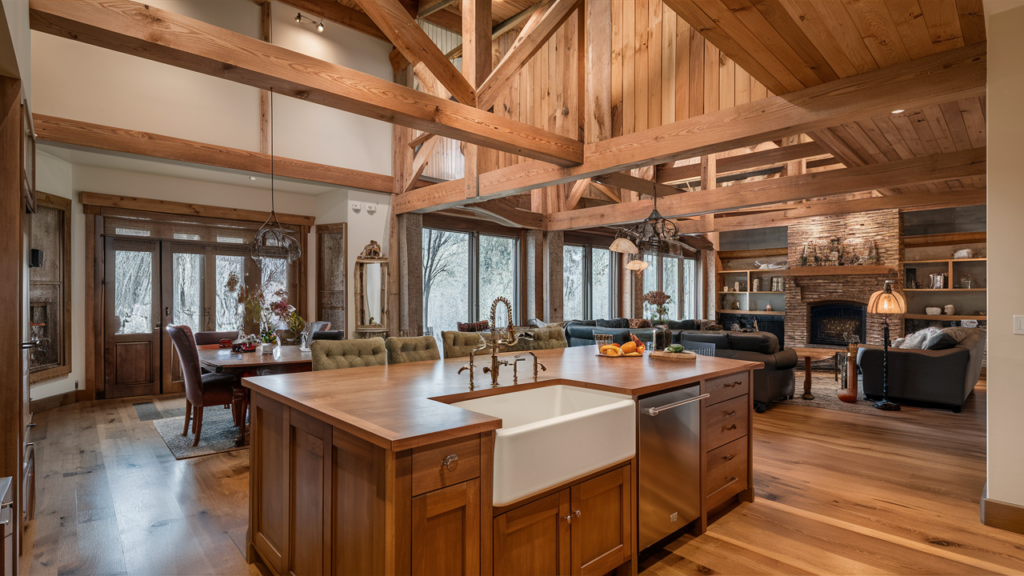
(943, 378)
(772, 383)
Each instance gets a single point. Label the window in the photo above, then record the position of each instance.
(463, 273)
(677, 277)
(588, 283)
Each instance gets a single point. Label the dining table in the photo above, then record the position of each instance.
(284, 360)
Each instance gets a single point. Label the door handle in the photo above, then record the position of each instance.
(659, 409)
(29, 345)
(157, 327)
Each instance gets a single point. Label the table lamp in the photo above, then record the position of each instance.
(886, 302)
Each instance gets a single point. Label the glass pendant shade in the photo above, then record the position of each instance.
(624, 246)
(886, 301)
(636, 265)
(273, 240)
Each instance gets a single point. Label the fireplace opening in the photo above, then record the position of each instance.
(838, 323)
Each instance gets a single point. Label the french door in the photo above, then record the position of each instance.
(133, 322)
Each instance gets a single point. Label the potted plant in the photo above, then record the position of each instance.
(656, 303)
(267, 311)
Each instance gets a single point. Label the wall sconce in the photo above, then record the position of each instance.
(319, 23)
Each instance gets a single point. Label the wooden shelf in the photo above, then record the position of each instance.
(946, 261)
(880, 270)
(942, 317)
(751, 292)
(779, 272)
(945, 289)
(758, 312)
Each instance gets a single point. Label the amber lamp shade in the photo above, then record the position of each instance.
(886, 301)
(624, 246)
(637, 265)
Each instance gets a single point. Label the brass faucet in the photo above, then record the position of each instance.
(499, 338)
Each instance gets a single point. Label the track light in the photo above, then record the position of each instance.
(298, 17)
(320, 27)
(319, 24)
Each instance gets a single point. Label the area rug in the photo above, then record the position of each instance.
(825, 390)
(219, 432)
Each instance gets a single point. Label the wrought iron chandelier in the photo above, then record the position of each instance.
(653, 235)
(273, 240)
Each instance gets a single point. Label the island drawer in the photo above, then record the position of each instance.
(726, 471)
(430, 471)
(726, 387)
(725, 421)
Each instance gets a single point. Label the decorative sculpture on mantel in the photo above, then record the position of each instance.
(371, 252)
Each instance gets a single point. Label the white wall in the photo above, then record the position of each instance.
(1005, 267)
(15, 45)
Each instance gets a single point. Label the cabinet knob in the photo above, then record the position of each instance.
(730, 413)
(568, 519)
(451, 462)
(728, 457)
(733, 427)
(578, 513)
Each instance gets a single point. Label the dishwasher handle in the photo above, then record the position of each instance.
(659, 409)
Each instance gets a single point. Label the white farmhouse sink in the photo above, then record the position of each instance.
(554, 434)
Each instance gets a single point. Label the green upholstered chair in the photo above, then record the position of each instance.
(460, 344)
(338, 354)
(547, 338)
(413, 349)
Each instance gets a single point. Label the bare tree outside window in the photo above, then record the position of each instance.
(670, 285)
(573, 282)
(497, 272)
(133, 291)
(600, 282)
(188, 290)
(445, 279)
(230, 314)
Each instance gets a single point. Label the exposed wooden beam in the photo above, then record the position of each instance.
(910, 201)
(186, 209)
(822, 162)
(578, 188)
(538, 29)
(163, 36)
(674, 174)
(943, 77)
(75, 133)
(477, 62)
(501, 29)
(505, 209)
(428, 7)
(266, 36)
(639, 185)
(930, 240)
(953, 165)
(423, 137)
(416, 46)
(608, 191)
(419, 163)
(336, 12)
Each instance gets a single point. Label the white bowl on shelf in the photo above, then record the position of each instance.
(933, 311)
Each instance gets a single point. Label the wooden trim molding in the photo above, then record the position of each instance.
(51, 402)
(1002, 515)
(64, 205)
(185, 209)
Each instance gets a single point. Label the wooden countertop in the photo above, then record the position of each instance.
(407, 405)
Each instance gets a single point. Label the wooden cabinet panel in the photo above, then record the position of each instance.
(270, 424)
(429, 471)
(310, 474)
(725, 421)
(446, 531)
(726, 387)
(358, 519)
(601, 527)
(726, 471)
(534, 539)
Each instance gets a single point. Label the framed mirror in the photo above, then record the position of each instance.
(371, 297)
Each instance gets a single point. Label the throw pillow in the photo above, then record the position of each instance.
(943, 342)
(709, 325)
(635, 323)
(958, 333)
(916, 341)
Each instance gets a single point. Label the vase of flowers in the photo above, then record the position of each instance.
(656, 305)
(266, 311)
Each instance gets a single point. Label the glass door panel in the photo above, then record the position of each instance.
(132, 346)
(497, 275)
(188, 303)
(573, 279)
(601, 283)
(133, 292)
(230, 313)
(670, 285)
(445, 279)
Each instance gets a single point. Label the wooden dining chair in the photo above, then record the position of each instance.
(201, 390)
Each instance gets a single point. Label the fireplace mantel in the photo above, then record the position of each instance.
(880, 270)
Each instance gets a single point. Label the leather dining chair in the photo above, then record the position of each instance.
(207, 338)
(201, 390)
(328, 335)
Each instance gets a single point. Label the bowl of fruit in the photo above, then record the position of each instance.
(632, 349)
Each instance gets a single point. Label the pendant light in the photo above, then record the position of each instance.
(273, 240)
(651, 235)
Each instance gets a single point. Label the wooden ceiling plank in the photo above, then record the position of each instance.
(403, 31)
(804, 13)
(879, 139)
(670, 174)
(972, 20)
(892, 135)
(878, 32)
(909, 20)
(942, 77)
(759, 27)
(533, 36)
(76, 133)
(867, 148)
(502, 28)
(842, 27)
(943, 24)
(428, 7)
(937, 122)
(690, 11)
(338, 13)
(777, 15)
(974, 119)
(906, 130)
(163, 36)
(924, 132)
(774, 191)
(955, 123)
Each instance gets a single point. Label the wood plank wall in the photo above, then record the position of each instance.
(661, 70)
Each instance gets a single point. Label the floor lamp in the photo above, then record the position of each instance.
(886, 302)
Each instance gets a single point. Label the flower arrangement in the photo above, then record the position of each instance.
(659, 301)
(268, 310)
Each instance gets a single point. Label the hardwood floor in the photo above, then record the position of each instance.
(837, 493)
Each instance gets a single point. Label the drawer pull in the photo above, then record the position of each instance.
(451, 462)
(578, 513)
(728, 457)
(568, 519)
(732, 480)
(733, 427)
(730, 413)
(736, 383)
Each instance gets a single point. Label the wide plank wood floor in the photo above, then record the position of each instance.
(837, 493)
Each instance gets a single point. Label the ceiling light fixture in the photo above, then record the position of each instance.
(273, 240)
(901, 111)
(319, 23)
(652, 235)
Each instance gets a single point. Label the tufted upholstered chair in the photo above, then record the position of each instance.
(548, 338)
(201, 390)
(338, 354)
(414, 349)
(460, 344)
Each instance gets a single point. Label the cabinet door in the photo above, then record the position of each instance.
(446, 530)
(533, 540)
(601, 528)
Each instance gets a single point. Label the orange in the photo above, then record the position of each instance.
(629, 347)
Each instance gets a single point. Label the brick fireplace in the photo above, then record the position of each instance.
(803, 292)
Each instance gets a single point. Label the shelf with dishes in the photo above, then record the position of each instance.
(945, 289)
(754, 312)
(943, 317)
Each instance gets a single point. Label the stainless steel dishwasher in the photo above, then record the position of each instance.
(669, 459)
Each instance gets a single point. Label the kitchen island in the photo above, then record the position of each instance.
(375, 471)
